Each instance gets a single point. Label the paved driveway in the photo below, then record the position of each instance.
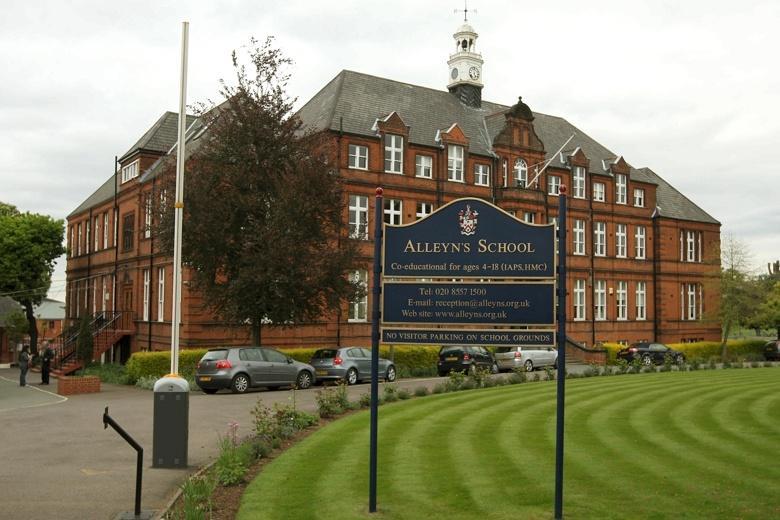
(57, 461)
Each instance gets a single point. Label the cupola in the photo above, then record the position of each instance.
(465, 66)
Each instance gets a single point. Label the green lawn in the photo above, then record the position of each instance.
(699, 444)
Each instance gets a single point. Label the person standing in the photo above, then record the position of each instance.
(24, 365)
(48, 355)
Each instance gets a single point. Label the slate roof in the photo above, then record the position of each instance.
(159, 138)
(353, 101)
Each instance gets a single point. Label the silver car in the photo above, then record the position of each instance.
(240, 368)
(529, 358)
(351, 364)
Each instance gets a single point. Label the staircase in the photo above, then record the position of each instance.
(107, 328)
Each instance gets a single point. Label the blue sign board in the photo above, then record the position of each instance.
(469, 238)
(495, 338)
(516, 303)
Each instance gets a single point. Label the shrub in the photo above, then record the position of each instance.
(519, 375)
(550, 371)
(332, 401)
(478, 377)
(111, 373)
(146, 382)
(158, 364)
(421, 391)
(440, 388)
(455, 382)
(768, 364)
(404, 394)
(500, 381)
(365, 400)
(390, 393)
(534, 377)
(622, 366)
(755, 364)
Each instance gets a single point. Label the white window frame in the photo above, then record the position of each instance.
(148, 217)
(95, 233)
(161, 294)
(599, 192)
(553, 185)
(529, 217)
(105, 230)
(690, 246)
(481, 175)
(393, 211)
(357, 157)
(639, 197)
(690, 305)
(358, 217)
(579, 237)
(640, 243)
(621, 301)
(600, 300)
(103, 294)
(641, 301)
(599, 238)
(147, 282)
(621, 189)
(579, 299)
(86, 237)
(578, 181)
(130, 171)
(520, 171)
(455, 162)
(424, 209)
(94, 296)
(116, 227)
(72, 241)
(621, 240)
(423, 166)
(358, 310)
(78, 244)
(394, 153)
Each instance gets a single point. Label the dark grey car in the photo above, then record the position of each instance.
(240, 368)
(351, 364)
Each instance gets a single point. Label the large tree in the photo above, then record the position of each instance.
(29, 246)
(737, 301)
(263, 205)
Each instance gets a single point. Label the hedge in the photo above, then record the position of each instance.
(414, 360)
(745, 349)
(158, 364)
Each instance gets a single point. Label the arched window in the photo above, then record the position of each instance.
(521, 173)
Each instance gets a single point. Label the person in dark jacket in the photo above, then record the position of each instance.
(48, 355)
(24, 365)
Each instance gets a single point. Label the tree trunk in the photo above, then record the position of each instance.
(723, 347)
(256, 330)
(33, 326)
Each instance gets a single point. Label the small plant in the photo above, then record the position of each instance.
(636, 366)
(146, 382)
(500, 381)
(534, 377)
(622, 366)
(478, 377)
(331, 402)
(608, 371)
(390, 393)
(519, 375)
(364, 400)
(668, 362)
(421, 391)
(455, 381)
(550, 372)
(712, 364)
(234, 458)
(755, 364)
(768, 364)
(727, 364)
(440, 388)
(404, 394)
(196, 497)
(694, 365)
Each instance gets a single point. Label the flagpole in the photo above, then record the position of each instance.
(179, 205)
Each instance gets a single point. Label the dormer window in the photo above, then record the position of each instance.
(130, 171)
(521, 173)
(639, 197)
(455, 163)
(599, 190)
(553, 185)
(621, 188)
(578, 180)
(394, 149)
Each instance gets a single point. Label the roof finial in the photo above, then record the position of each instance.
(465, 11)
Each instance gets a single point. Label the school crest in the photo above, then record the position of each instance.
(468, 221)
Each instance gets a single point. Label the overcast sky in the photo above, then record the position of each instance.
(690, 89)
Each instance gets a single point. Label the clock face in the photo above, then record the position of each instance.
(474, 73)
(454, 74)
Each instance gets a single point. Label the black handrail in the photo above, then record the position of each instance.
(108, 421)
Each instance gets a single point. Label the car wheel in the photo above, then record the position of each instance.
(304, 380)
(494, 368)
(390, 374)
(647, 361)
(351, 377)
(240, 383)
(209, 390)
(529, 365)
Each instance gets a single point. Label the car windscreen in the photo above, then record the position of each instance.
(451, 351)
(325, 354)
(215, 354)
(504, 350)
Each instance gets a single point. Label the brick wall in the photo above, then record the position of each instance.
(70, 385)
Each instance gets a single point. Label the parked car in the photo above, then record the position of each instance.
(240, 368)
(458, 358)
(772, 350)
(351, 364)
(650, 353)
(529, 358)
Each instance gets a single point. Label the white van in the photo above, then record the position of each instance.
(509, 358)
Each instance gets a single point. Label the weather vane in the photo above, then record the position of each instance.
(465, 11)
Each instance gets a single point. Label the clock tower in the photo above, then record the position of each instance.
(466, 67)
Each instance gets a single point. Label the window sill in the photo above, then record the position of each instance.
(357, 168)
(429, 177)
(480, 184)
(357, 321)
(394, 173)
(456, 180)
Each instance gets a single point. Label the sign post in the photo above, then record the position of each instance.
(375, 293)
(561, 353)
